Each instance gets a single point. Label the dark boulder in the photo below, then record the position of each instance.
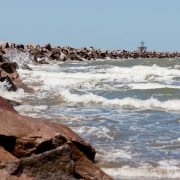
(47, 46)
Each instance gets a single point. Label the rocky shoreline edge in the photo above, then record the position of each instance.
(37, 149)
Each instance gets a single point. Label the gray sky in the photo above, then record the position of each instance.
(106, 24)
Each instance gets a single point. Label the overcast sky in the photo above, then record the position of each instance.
(106, 24)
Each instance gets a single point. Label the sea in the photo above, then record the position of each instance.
(129, 110)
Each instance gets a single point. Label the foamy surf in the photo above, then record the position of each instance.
(143, 173)
(126, 103)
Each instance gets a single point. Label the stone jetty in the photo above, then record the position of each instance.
(80, 54)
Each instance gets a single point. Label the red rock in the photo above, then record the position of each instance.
(28, 136)
(31, 133)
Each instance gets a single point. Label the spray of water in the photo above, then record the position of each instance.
(20, 57)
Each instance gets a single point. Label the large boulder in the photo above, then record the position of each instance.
(36, 135)
(28, 136)
(55, 164)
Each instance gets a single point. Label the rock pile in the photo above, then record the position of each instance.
(53, 52)
(36, 149)
(39, 149)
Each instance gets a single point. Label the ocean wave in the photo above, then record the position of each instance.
(125, 103)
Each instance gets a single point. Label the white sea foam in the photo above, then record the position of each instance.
(32, 110)
(99, 132)
(135, 73)
(152, 86)
(143, 172)
(129, 103)
(110, 155)
(4, 85)
(19, 57)
(13, 95)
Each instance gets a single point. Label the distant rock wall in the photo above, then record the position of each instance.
(80, 54)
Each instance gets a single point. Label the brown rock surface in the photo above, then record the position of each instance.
(5, 105)
(86, 168)
(55, 164)
(47, 46)
(28, 136)
(5, 156)
(9, 70)
(32, 134)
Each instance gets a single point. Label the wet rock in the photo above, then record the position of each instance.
(54, 164)
(8, 71)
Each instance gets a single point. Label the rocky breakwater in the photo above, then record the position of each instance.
(36, 149)
(80, 54)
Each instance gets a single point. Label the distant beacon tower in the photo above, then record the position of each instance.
(142, 47)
